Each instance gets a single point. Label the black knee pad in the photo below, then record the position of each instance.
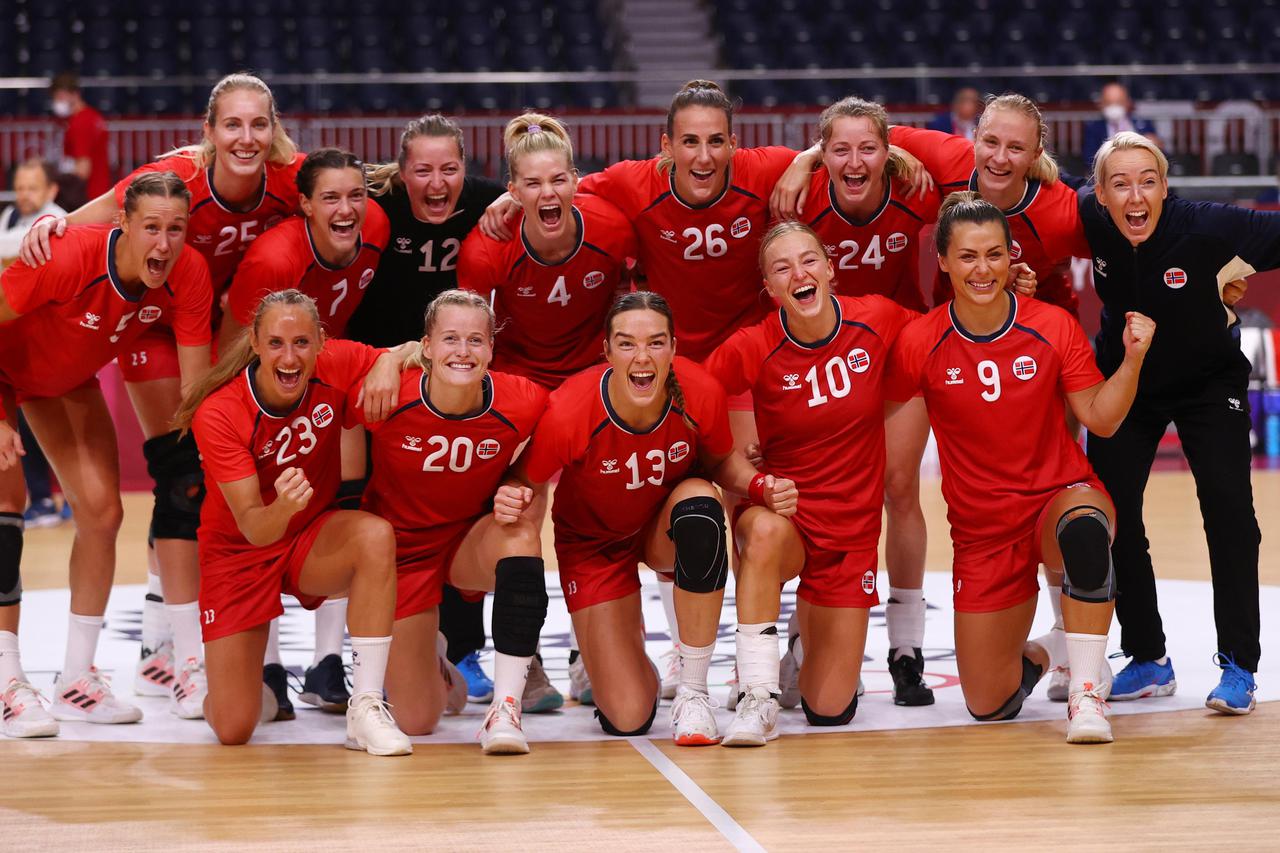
(702, 557)
(1084, 537)
(351, 493)
(1031, 675)
(174, 463)
(519, 605)
(1007, 711)
(611, 729)
(841, 719)
(10, 558)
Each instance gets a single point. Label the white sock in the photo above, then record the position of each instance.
(155, 625)
(10, 660)
(904, 613)
(369, 664)
(185, 621)
(667, 589)
(1086, 653)
(1055, 602)
(1055, 643)
(82, 644)
(694, 663)
(757, 655)
(509, 676)
(331, 628)
(272, 654)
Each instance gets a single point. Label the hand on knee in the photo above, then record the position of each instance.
(1084, 538)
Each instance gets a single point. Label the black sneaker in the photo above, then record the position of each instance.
(325, 685)
(908, 680)
(275, 677)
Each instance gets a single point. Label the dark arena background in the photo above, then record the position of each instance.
(1202, 78)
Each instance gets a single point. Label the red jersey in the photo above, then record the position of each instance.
(551, 315)
(239, 437)
(880, 255)
(997, 408)
(86, 137)
(286, 257)
(614, 478)
(819, 409)
(432, 469)
(76, 315)
(217, 230)
(703, 258)
(1045, 225)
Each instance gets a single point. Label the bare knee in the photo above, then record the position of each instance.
(374, 541)
(102, 516)
(694, 487)
(232, 728)
(761, 539)
(902, 490)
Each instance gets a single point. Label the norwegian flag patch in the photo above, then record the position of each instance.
(1024, 367)
(1175, 277)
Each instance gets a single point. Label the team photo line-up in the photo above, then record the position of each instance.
(356, 383)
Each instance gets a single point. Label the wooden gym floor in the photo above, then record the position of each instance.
(1171, 780)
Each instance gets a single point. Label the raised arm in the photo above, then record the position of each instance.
(1103, 407)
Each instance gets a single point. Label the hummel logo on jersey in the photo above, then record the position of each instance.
(404, 246)
(266, 449)
(1175, 277)
(525, 290)
(412, 442)
(91, 320)
(1234, 403)
(1024, 367)
(953, 376)
(830, 250)
(203, 239)
(669, 236)
(791, 382)
(1100, 267)
(609, 466)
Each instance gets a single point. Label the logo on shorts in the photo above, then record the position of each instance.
(609, 466)
(1234, 403)
(869, 582)
(896, 242)
(321, 415)
(741, 227)
(404, 246)
(953, 376)
(365, 278)
(412, 442)
(1015, 250)
(669, 236)
(488, 448)
(525, 290)
(858, 360)
(678, 451)
(1024, 367)
(1175, 277)
(593, 279)
(1100, 267)
(91, 320)
(791, 382)
(149, 313)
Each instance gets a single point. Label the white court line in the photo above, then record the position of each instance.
(698, 798)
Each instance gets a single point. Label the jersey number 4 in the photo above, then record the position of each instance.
(872, 257)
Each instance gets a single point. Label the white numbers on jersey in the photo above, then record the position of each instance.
(447, 263)
(460, 452)
(989, 375)
(306, 440)
(234, 239)
(838, 383)
(341, 289)
(139, 358)
(658, 463)
(715, 245)
(559, 293)
(871, 257)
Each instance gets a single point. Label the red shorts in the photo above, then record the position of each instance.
(987, 578)
(19, 396)
(154, 355)
(423, 558)
(238, 593)
(838, 578)
(593, 571)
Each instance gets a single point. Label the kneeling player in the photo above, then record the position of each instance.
(267, 421)
(437, 461)
(994, 369)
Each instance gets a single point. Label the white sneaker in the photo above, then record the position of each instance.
(154, 675)
(671, 670)
(580, 682)
(187, 699)
(1087, 718)
(88, 699)
(371, 727)
(1060, 682)
(456, 700)
(22, 712)
(693, 720)
(756, 722)
(500, 734)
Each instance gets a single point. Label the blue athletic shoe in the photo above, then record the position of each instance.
(479, 685)
(1142, 678)
(1234, 693)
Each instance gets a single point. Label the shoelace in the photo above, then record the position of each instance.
(379, 707)
(1093, 694)
(683, 699)
(15, 687)
(1232, 670)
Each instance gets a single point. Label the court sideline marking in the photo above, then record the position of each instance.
(698, 798)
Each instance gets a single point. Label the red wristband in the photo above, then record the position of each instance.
(755, 491)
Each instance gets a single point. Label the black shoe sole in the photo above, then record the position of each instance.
(916, 701)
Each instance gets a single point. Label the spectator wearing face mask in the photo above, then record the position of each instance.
(1117, 115)
(84, 146)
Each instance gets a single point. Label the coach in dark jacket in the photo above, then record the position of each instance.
(1163, 256)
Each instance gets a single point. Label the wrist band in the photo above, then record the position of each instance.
(755, 491)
